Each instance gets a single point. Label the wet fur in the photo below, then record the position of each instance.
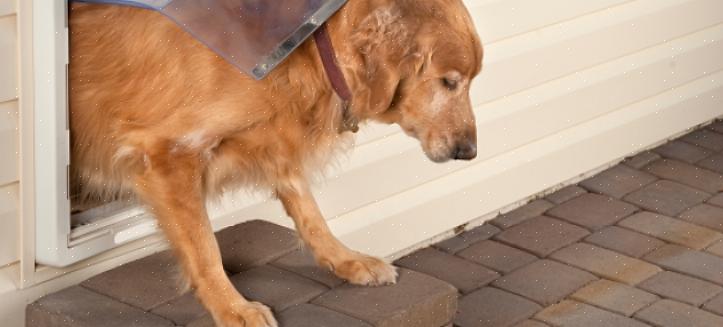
(155, 114)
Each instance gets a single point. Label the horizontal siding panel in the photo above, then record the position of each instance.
(7, 7)
(8, 142)
(9, 220)
(8, 56)
(501, 19)
(551, 53)
(568, 102)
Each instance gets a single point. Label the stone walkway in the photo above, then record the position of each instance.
(640, 244)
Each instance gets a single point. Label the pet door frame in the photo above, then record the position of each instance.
(56, 243)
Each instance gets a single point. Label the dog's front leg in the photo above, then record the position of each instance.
(350, 265)
(171, 185)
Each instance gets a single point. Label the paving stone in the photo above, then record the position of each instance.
(302, 262)
(667, 197)
(716, 127)
(417, 300)
(682, 151)
(80, 307)
(464, 275)
(716, 200)
(705, 215)
(544, 281)
(462, 241)
(565, 194)
(606, 263)
(182, 310)
(145, 283)
(618, 181)
(542, 235)
(613, 296)
(531, 323)
(669, 313)
(497, 256)
(671, 230)
(716, 248)
(309, 315)
(681, 288)
(275, 287)
(641, 159)
(205, 321)
(706, 139)
(694, 263)
(494, 308)
(514, 217)
(687, 174)
(624, 241)
(715, 305)
(713, 163)
(572, 313)
(242, 248)
(593, 211)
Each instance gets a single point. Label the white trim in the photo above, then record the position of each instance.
(50, 57)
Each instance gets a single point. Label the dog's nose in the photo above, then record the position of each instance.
(465, 151)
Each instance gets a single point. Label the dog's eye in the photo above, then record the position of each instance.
(449, 83)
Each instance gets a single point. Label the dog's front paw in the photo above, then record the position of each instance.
(251, 314)
(366, 270)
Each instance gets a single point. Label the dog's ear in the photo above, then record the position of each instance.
(385, 43)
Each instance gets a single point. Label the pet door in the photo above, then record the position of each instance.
(253, 35)
(62, 238)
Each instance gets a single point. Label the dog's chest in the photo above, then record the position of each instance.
(267, 156)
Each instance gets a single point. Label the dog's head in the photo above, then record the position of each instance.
(418, 59)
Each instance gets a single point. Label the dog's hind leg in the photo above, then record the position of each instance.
(329, 252)
(171, 185)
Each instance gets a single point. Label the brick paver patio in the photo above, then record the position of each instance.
(640, 244)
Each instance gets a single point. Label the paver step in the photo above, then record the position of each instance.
(267, 266)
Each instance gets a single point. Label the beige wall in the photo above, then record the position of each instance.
(568, 86)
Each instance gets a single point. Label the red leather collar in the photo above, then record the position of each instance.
(335, 75)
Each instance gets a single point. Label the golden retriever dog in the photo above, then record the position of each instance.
(156, 114)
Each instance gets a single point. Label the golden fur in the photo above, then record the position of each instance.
(156, 114)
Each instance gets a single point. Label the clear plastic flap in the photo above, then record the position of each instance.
(253, 35)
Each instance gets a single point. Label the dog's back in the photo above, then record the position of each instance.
(140, 84)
